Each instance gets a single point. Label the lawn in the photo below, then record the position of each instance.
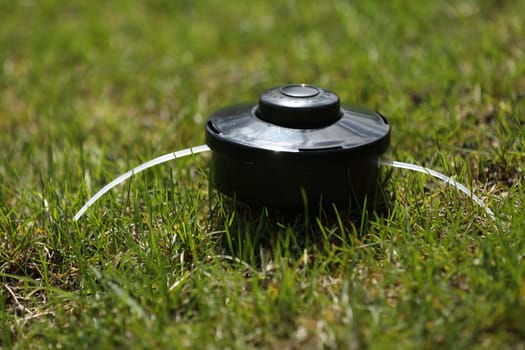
(89, 89)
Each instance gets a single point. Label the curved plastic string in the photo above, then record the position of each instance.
(151, 163)
(442, 177)
(204, 148)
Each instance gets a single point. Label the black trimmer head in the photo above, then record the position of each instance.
(297, 146)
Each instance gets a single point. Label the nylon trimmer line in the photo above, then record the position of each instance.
(204, 148)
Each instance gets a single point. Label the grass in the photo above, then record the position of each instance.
(90, 89)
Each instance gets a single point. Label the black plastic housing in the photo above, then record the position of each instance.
(297, 144)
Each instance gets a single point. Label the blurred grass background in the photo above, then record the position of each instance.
(89, 89)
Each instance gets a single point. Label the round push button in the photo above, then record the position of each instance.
(299, 106)
(300, 90)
